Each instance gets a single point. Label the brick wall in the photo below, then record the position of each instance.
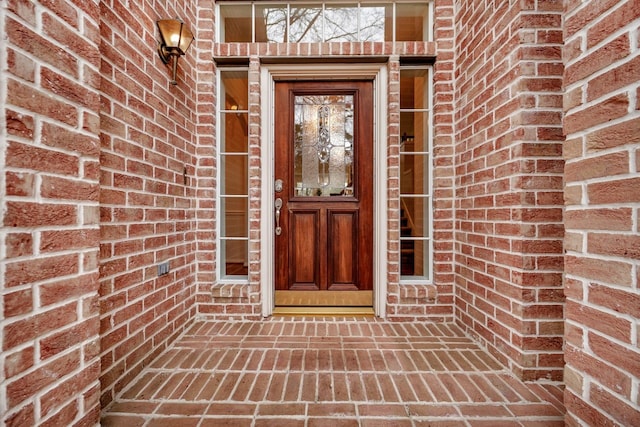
(93, 195)
(443, 156)
(49, 236)
(205, 237)
(602, 196)
(508, 238)
(149, 178)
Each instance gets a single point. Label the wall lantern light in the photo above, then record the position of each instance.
(176, 39)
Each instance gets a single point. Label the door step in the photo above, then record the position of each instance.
(323, 311)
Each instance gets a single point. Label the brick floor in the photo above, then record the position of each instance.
(333, 372)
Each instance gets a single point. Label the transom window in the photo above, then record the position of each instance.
(324, 21)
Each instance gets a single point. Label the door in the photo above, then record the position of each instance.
(323, 196)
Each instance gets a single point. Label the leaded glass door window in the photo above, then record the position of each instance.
(323, 145)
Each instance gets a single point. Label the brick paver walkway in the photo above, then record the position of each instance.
(332, 372)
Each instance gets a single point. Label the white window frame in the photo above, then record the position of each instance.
(220, 111)
(429, 110)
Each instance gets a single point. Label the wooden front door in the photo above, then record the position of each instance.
(323, 197)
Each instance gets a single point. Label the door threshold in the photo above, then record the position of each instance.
(324, 299)
(323, 311)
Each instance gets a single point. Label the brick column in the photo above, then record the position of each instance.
(206, 154)
(443, 160)
(150, 173)
(508, 164)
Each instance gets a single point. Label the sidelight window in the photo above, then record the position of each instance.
(315, 21)
(415, 173)
(233, 155)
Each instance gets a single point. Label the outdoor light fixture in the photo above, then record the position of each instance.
(176, 39)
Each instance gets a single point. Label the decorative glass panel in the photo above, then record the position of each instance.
(323, 145)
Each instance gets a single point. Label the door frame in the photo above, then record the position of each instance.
(269, 74)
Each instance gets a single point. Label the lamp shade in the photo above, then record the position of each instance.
(176, 37)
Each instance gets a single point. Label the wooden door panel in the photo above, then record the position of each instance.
(304, 238)
(326, 240)
(342, 250)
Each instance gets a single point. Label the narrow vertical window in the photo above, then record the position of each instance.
(233, 153)
(415, 173)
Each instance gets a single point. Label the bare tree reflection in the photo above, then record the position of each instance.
(311, 25)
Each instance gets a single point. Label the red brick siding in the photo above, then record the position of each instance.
(602, 124)
(205, 171)
(49, 195)
(443, 158)
(508, 173)
(92, 195)
(148, 209)
(393, 192)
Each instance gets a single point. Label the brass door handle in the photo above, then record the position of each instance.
(278, 205)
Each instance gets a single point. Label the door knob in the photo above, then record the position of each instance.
(278, 206)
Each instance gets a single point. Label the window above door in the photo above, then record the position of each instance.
(314, 21)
